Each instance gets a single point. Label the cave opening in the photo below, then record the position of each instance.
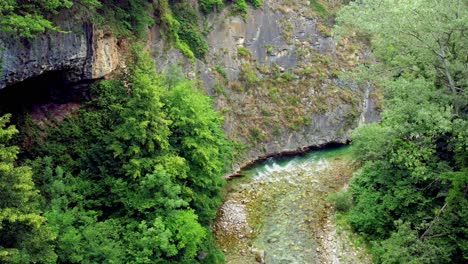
(49, 94)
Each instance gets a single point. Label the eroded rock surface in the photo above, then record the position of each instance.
(82, 53)
(274, 75)
(275, 78)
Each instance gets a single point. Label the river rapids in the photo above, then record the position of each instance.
(278, 212)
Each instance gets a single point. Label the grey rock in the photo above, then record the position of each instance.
(259, 255)
(83, 53)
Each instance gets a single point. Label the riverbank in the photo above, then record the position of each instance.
(278, 212)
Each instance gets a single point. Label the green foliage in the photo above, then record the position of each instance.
(27, 20)
(240, 7)
(198, 138)
(124, 17)
(135, 175)
(207, 6)
(189, 32)
(404, 246)
(169, 24)
(256, 3)
(194, 39)
(179, 21)
(342, 200)
(410, 196)
(319, 8)
(180, 24)
(24, 235)
(248, 75)
(221, 71)
(256, 135)
(243, 52)
(26, 26)
(213, 254)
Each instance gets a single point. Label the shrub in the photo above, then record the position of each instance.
(221, 71)
(240, 7)
(188, 30)
(319, 8)
(140, 162)
(256, 3)
(194, 39)
(248, 75)
(342, 200)
(243, 52)
(206, 6)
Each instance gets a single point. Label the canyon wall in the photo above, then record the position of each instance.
(274, 74)
(82, 53)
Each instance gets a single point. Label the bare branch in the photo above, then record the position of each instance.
(436, 218)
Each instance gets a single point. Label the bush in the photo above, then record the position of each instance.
(342, 200)
(206, 6)
(126, 18)
(240, 7)
(248, 75)
(243, 52)
(256, 3)
(188, 30)
(319, 8)
(221, 71)
(194, 39)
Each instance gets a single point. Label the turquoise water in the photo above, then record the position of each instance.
(286, 198)
(284, 163)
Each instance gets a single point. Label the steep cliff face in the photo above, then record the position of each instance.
(85, 53)
(274, 75)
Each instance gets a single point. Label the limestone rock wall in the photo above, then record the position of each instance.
(275, 74)
(85, 53)
(285, 93)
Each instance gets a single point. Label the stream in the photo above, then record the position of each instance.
(278, 212)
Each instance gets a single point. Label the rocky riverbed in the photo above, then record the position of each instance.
(278, 212)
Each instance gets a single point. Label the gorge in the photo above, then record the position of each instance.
(211, 131)
(291, 60)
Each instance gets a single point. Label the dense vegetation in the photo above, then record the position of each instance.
(179, 20)
(411, 194)
(132, 177)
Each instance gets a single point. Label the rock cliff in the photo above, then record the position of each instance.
(274, 74)
(81, 53)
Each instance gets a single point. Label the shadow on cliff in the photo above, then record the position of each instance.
(49, 94)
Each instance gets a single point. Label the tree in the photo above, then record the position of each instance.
(135, 175)
(410, 196)
(421, 37)
(24, 236)
(30, 18)
(198, 138)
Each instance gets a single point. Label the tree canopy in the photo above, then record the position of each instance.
(24, 235)
(132, 177)
(410, 197)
